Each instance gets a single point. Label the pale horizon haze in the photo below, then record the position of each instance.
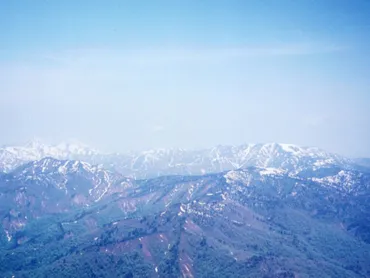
(134, 75)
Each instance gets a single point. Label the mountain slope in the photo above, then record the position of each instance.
(49, 186)
(252, 222)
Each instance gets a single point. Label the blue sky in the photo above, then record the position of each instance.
(123, 75)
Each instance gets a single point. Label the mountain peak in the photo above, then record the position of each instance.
(34, 143)
(158, 162)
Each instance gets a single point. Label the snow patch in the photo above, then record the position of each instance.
(8, 236)
(272, 171)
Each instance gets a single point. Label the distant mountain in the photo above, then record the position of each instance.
(71, 219)
(13, 156)
(160, 162)
(221, 158)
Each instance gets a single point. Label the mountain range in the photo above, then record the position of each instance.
(159, 162)
(262, 210)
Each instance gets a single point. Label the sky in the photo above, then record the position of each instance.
(134, 75)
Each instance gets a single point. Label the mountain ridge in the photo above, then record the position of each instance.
(263, 222)
(159, 162)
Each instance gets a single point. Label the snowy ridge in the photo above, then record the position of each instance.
(159, 162)
(58, 173)
(14, 156)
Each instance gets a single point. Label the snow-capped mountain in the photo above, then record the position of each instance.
(85, 182)
(159, 162)
(14, 156)
(50, 186)
(222, 158)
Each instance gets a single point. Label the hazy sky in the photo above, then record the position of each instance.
(122, 75)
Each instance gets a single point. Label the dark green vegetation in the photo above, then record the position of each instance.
(244, 223)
